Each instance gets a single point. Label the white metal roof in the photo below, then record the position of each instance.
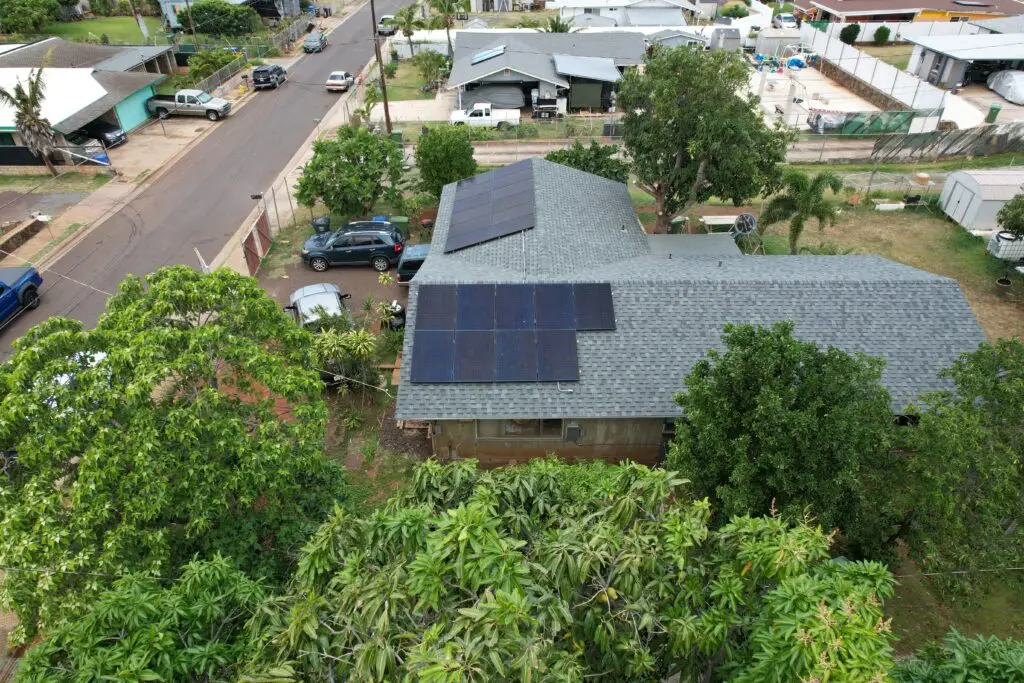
(594, 68)
(66, 92)
(10, 46)
(977, 47)
(998, 184)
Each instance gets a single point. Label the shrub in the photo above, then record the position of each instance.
(481, 134)
(219, 18)
(394, 55)
(849, 34)
(881, 36)
(390, 69)
(528, 130)
(1011, 217)
(736, 12)
(444, 155)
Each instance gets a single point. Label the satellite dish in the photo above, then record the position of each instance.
(745, 224)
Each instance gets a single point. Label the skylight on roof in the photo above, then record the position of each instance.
(487, 54)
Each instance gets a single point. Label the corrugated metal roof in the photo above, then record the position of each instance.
(998, 184)
(978, 47)
(594, 68)
(1002, 25)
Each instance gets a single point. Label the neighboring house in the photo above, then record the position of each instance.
(629, 12)
(582, 21)
(1001, 25)
(840, 11)
(946, 61)
(670, 38)
(155, 59)
(973, 198)
(594, 325)
(582, 67)
(175, 12)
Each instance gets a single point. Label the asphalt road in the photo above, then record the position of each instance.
(203, 199)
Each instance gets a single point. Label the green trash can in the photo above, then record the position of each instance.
(396, 137)
(401, 224)
(993, 112)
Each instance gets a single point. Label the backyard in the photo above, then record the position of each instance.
(406, 84)
(119, 30)
(512, 19)
(897, 55)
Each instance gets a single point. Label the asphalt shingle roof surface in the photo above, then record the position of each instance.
(669, 312)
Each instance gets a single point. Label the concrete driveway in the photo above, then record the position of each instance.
(203, 199)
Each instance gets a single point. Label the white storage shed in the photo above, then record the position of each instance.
(973, 198)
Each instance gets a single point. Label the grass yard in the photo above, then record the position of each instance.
(897, 55)
(993, 161)
(512, 19)
(68, 182)
(121, 30)
(407, 83)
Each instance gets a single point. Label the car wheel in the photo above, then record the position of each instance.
(30, 298)
(380, 264)
(212, 115)
(161, 113)
(319, 264)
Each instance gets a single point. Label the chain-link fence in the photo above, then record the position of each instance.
(220, 75)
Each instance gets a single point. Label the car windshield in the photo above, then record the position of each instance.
(787, 18)
(337, 76)
(313, 39)
(203, 98)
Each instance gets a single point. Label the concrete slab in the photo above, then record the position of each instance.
(812, 87)
(982, 98)
(413, 111)
(156, 143)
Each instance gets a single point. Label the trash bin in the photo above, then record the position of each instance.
(396, 136)
(401, 224)
(993, 112)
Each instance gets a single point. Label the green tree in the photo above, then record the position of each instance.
(27, 16)
(1011, 217)
(26, 99)
(802, 200)
(408, 22)
(959, 658)
(736, 12)
(156, 438)
(447, 9)
(881, 36)
(429, 64)
(350, 355)
(444, 155)
(776, 423)
(205, 63)
(551, 572)
(597, 159)
(350, 173)
(145, 629)
(849, 34)
(220, 18)
(557, 25)
(683, 120)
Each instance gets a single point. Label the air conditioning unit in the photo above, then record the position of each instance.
(1005, 245)
(573, 432)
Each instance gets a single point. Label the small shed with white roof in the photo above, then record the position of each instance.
(973, 198)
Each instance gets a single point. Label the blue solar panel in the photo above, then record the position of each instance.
(475, 307)
(435, 307)
(513, 307)
(556, 356)
(593, 303)
(517, 356)
(474, 356)
(554, 307)
(433, 356)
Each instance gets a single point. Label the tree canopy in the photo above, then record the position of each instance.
(27, 16)
(26, 99)
(597, 159)
(187, 423)
(219, 18)
(689, 135)
(350, 173)
(1011, 216)
(959, 658)
(775, 422)
(552, 572)
(803, 199)
(444, 155)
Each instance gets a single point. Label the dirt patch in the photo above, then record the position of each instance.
(16, 206)
(412, 443)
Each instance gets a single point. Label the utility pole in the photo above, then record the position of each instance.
(188, 8)
(380, 68)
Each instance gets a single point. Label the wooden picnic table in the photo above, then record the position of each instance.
(718, 223)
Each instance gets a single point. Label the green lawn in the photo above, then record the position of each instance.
(406, 84)
(897, 55)
(123, 30)
(993, 161)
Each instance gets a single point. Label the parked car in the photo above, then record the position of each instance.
(339, 81)
(784, 21)
(189, 103)
(323, 224)
(412, 258)
(19, 291)
(309, 305)
(483, 114)
(1008, 84)
(106, 133)
(386, 26)
(268, 76)
(381, 248)
(314, 42)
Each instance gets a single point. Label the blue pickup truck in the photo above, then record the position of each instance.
(19, 290)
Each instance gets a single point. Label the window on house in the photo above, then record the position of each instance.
(6, 140)
(589, 10)
(959, 18)
(519, 429)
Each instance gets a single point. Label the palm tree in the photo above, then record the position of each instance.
(802, 200)
(27, 103)
(448, 9)
(557, 25)
(407, 20)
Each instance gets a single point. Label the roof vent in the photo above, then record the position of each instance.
(487, 54)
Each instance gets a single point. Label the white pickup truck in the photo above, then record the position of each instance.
(482, 114)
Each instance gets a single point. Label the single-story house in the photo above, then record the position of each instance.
(581, 21)
(582, 67)
(948, 60)
(674, 37)
(973, 198)
(629, 12)
(546, 320)
(62, 54)
(843, 11)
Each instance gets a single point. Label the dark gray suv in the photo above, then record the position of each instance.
(379, 247)
(268, 76)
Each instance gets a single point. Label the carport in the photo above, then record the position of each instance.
(946, 61)
(590, 80)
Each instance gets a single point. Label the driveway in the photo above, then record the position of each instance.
(203, 199)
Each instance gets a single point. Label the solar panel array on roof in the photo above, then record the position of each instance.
(505, 333)
(484, 55)
(492, 205)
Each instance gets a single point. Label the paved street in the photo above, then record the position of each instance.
(203, 199)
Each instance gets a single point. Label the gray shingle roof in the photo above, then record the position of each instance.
(531, 53)
(669, 312)
(675, 246)
(119, 85)
(131, 56)
(65, 54)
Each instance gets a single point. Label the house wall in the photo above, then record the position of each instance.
(944, 15)
(612, 439)
(131, 111)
